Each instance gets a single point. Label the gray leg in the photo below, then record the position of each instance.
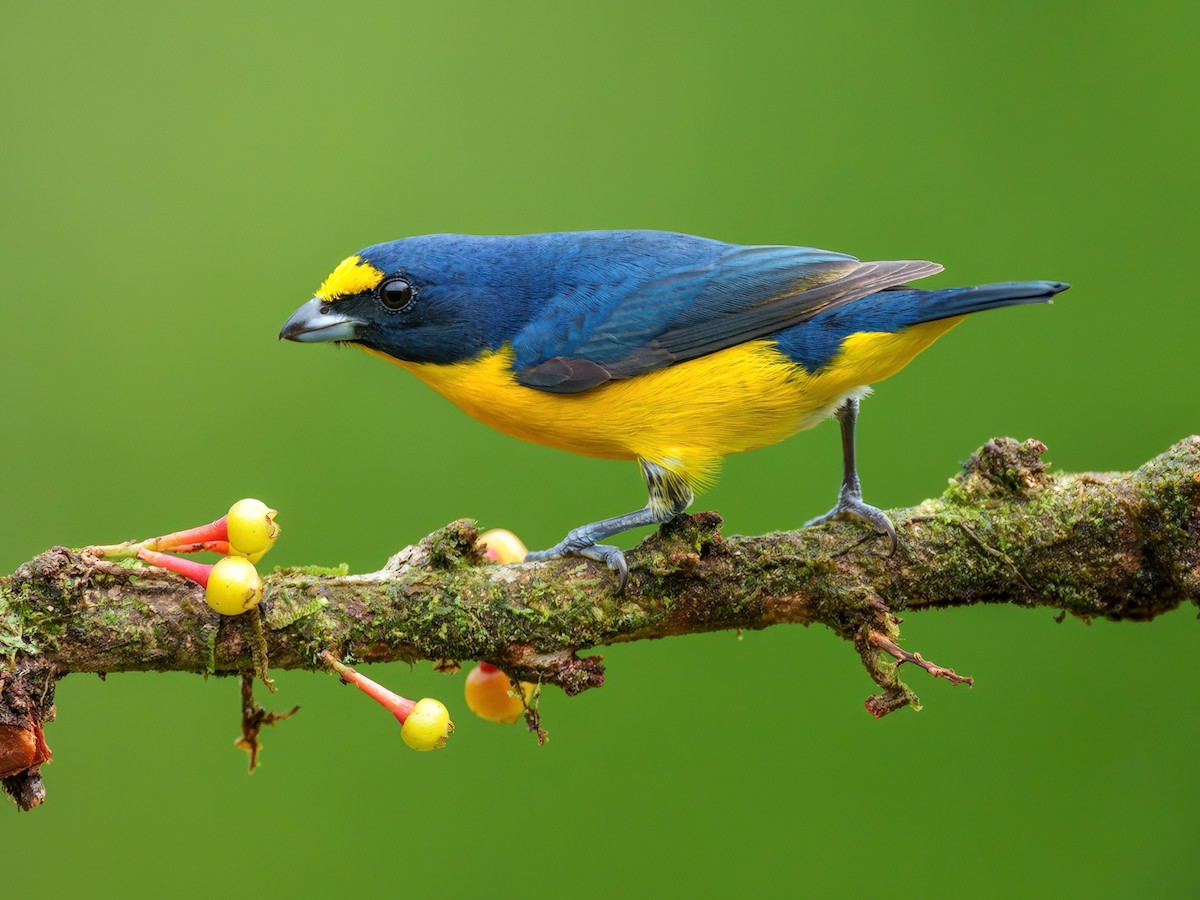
(850, 505)
(669, 496)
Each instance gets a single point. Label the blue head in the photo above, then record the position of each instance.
(443, 298)
(422, 299)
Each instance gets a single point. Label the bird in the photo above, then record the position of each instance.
(663, 348)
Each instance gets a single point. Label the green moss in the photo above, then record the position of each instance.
(287, 608)
(12, 632)
(339, 571)
(1003, 467)
(454, 545)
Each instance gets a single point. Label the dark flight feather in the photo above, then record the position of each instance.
(744, 294)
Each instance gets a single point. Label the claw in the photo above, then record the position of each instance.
(613, 558)
(605, 553)
(849, 508)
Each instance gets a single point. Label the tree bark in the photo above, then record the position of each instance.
(1114, 545)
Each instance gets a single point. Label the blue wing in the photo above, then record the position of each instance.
(744, 293)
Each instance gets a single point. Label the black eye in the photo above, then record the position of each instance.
(396, 294)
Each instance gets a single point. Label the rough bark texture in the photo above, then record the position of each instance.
(1118, 546)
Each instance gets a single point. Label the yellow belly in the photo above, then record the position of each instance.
(685, 417)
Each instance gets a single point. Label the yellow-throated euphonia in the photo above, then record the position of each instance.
(669, 349)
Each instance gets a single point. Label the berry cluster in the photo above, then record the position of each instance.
(243, 536)
(232, 586)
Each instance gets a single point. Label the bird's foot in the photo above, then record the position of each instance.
(611, 556)
(850, 506)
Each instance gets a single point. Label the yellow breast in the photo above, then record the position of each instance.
(684, 417)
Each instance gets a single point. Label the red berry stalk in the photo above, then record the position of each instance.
(198, 572)
(221, 547)
(398, 706)
(213, 532)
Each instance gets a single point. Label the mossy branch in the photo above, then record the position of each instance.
(1118, 546)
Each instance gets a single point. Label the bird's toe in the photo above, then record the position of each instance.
(611, 556)
(855, 509)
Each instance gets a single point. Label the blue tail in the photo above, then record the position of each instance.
(929, 306)
(815, 342)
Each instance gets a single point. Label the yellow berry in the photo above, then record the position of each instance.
(252, 528)
(233, 586)
(490, 695)
(427, 726)
(501, 546)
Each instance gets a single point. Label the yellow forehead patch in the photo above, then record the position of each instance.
(352, 276)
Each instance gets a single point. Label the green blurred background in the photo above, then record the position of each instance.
(179, 177)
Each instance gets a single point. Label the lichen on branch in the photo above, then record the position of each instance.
(1115, 545)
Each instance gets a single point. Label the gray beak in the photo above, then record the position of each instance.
(319, 321)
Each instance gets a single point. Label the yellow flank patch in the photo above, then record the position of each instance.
(352, 276)
(685, 417)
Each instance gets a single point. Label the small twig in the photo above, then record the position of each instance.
(886, 644)
(98, 565)
(869, 536)
(533, 715)
(999, 554)
(254, 717)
